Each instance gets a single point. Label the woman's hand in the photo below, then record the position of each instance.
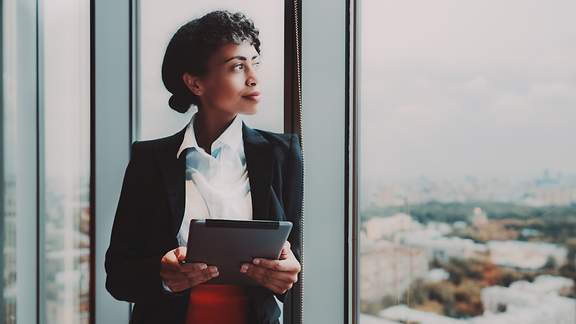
(276, 275)
(180, 277)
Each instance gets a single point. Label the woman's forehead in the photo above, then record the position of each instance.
(231, 51)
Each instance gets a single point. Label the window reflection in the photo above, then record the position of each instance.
(468, 199)
(66, 162)
(8, 167)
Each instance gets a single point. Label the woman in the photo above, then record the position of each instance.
(216, 167)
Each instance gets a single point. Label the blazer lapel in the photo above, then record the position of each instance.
(258, 154)
(173, 173)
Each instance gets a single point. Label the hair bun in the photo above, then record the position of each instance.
(180, 103)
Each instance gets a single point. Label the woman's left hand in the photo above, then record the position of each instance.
(276, 275)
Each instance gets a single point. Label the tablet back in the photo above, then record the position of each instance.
(228, 244)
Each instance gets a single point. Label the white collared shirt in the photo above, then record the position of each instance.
(217, 184)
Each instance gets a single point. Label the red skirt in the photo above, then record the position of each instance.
(218, 304)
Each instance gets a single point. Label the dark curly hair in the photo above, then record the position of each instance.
(194, 43)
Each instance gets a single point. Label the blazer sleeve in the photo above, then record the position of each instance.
(293, 198)
(132, 273)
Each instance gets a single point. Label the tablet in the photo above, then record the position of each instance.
(227, 244)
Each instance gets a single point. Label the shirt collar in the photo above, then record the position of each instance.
(232, 136)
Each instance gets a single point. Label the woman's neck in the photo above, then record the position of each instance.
(209, 124)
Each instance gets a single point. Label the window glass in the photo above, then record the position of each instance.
(8, 167)
(65, 143)
(468, 186)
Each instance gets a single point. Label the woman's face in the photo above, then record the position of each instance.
(231, 83)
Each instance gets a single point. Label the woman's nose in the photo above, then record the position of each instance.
(252, 80)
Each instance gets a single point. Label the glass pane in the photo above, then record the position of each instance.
(8, 209)
(159, 21)
(66, 162)
(468, 187)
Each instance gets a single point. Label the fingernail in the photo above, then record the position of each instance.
(215, 274)
(244, 268)
(203, 266)
(256, 261)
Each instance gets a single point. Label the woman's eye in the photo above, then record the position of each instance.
(238, 65)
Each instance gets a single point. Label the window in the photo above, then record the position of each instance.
(65, 163)
(17, 162)
(8, 170)
(468, 188)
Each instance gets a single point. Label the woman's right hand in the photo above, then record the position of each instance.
(179, 277)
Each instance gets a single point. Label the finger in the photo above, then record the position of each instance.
(285, 254)
(180, 253)
(170, 258)
(204, 275)
(170, 261)
(211, 271)
(293, 262)
(268, 264)
(280, 277)
(193, 267)
(285, 248)
(265, 276)
(277, 265)
(286, 277)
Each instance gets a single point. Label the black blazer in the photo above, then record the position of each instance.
(151, 208)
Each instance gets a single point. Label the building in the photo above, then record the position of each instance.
(369, 319)
(528, 303)
(525, 255)
(388, 269)
(442, 247)
(545, 284)
(386, 227)
(404, 314)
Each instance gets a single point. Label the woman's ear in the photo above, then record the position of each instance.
(193, 83)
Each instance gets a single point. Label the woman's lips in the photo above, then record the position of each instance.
(255, 97)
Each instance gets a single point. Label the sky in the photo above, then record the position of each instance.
(450, 88)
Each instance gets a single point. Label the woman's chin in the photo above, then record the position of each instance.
(250, 110)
